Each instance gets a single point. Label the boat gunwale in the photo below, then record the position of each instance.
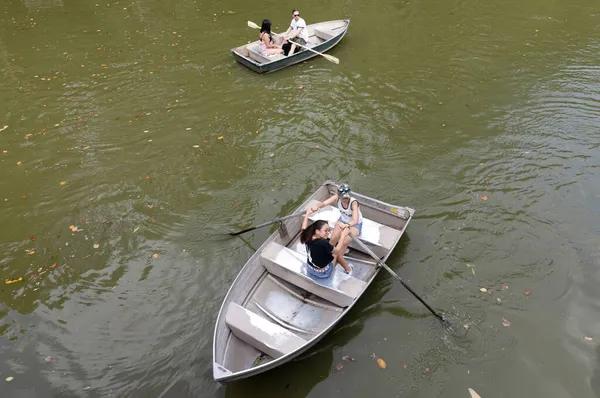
(232, 376)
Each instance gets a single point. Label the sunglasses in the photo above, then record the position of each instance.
(296, 15)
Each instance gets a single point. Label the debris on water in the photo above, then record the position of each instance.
(483, 290)
(348, 358)
(426, 370)
(339, 366)
(96, 246)
(505, 322)
(10, 282)
(373, 355)
(484, 197)
(381, 363)
(9, 379)
(504, 287)
(404, 366)
(498, 299)
(48, 358)
(467, 326)
(155, 255)
(527, 292)
(586, 338)
(87, 388)
(3, 128)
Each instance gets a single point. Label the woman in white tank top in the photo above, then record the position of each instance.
(350, 220)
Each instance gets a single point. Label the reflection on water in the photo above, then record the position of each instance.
(135, 141)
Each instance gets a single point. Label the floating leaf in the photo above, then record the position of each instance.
(339, 366)
(381, 363)
(9, 379)
(586, 338)
(483, 290)
(505, 322)
(30, 252)
(504, 287)
(19, 163)
(3, 128)
(220, 137)
(10, 282)
(527, 292)
(48, 358)
(53, 265)
(32, 238)
(473, 271)
(426, 370)
(404, 366)
(483, 197)
(188, 129)
(196, 146)
(147, 177)
(498, 299)
(96, 246)
(23, 197)
(155, 255)
(63, 183)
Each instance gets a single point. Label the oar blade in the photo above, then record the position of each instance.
(253, 25)
(331, 58)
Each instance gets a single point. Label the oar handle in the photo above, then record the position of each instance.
(388, 269)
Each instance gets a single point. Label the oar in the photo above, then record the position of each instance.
(330, 58)
(266, 223)
(388, 269)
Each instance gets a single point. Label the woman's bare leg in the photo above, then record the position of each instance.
(345, 242)
(339, 259)
(337, 233)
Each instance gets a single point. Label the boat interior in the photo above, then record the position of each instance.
(275, 307)
(317, 34)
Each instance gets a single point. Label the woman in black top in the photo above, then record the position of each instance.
(321, 255)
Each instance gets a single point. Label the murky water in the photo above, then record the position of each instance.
(134, 139)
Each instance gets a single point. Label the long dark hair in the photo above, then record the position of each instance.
(266, 26)
(308, 233)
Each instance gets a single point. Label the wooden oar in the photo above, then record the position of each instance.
(266, 224)
(330, 58)
(388, 269)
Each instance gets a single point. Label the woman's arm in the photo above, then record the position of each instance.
(305, 222)
(329, 201)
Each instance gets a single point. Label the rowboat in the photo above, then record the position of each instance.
(274, 311)
(322, 36)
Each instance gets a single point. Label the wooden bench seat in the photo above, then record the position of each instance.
(260, 333)
(378, 237)
(255, 54)
(340, 289)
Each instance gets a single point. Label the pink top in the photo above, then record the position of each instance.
(262, 47)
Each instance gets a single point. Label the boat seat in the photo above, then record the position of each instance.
(260, 333)
(378, 237)
(255, 54)
(340, 289)
(324, 34)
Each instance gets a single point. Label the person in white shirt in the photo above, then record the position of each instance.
(296, 33)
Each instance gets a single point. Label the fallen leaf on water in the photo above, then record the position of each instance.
(426, 370)
(73, 228)
(473, 271)
(498, 299)
(32, 238)
(505, 322)
(504, 287)
(155, 255)
(22, 197)
(483, 197)
(404, 366)
(53, 265)
(19, 163)
(527, 292)
(32, 276)
(196, 146)
(467, 326)
(220, 137)
(28, 135)
(483, 290)
(48, 358)
(63, 183)
(3, 128)
(301, 86)
(339, 366)
(147, 177)
(188, 129)
(96, 246)
(30, 252)
(381, 363)
(10, 282)
(473, 393)
(588, 338)
(9, 379)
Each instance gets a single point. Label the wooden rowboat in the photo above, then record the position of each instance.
(274, 311)
(322, 36)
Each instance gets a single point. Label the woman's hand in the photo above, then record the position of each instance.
(314, 209)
